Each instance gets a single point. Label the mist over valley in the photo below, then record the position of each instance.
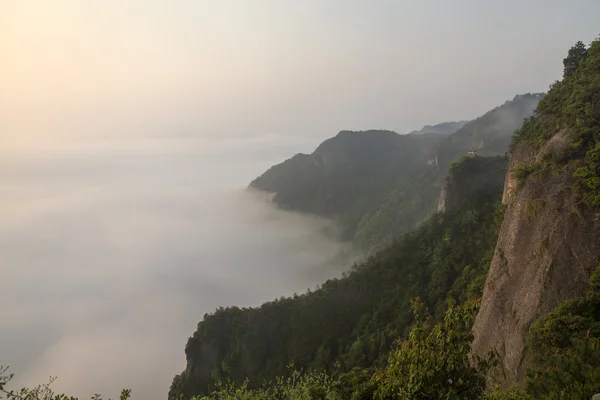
(112, 253)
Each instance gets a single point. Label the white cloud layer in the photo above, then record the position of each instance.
(110, 258)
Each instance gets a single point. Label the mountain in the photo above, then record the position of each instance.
(469, 175)
(491, 133)
(440, 129)
(531, 249)
(351, 321)
(377, 184)
(549, 243)
(348, 175)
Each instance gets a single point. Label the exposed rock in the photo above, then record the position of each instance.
(468, 175)
(547, 248)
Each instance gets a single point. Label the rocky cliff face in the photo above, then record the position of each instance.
(547, 248)
(469, 175)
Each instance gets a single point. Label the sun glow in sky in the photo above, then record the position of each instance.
(249, 68)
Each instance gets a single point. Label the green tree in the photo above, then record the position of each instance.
(573, 375)
(434, 361)
(576, 54)
(565, 348)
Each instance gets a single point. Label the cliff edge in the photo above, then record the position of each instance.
(549, 242)
(469, 175)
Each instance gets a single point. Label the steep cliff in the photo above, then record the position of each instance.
(468, 175)
(549, 242)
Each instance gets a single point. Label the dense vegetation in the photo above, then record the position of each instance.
(434, 362)
(377, 184)
(466, 175)
(572, 107)
(402, 209)
(565, 348)
(349, 322)
(408, 204)
(472, 173)
(350, 175)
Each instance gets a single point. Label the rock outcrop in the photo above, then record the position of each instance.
(547, 248)
(469, 175)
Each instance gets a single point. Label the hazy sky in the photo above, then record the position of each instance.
(250, 68)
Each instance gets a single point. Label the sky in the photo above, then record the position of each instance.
(309, 68)
(129, 129)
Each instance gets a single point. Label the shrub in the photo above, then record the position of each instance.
(40, 392)
(521, 171)
(434, 362)
(533, 207)
(588, 176)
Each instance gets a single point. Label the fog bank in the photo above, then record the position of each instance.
(111, 252)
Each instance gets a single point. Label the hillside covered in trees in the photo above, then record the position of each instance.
(352, 321)
(423, 288)
(377, 184)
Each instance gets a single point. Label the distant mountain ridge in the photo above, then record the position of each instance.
(378, 184)
(491, 133)
(347, 175)
(441, 128)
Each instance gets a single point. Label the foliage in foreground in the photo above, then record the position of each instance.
(40, 392)
(565, 348)
(432, 363)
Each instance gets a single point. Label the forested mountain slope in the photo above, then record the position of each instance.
(471, 174)
(351, 321)
(540, 313)
(377, 184)
(348, 175)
